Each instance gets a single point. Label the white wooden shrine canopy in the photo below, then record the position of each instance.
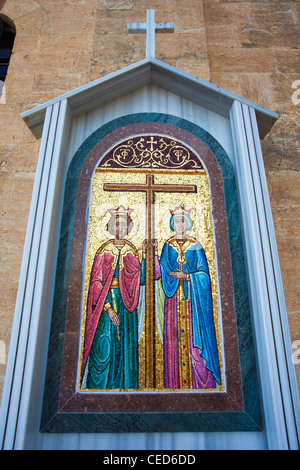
(64, 123)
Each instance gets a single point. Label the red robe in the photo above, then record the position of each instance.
(101, 277)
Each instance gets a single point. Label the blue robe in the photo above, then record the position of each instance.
(198, 291)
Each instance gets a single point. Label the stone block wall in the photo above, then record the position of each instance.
(251, 48)
(52, 54)
(254, 51)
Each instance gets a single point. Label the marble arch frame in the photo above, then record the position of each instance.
(67, 410)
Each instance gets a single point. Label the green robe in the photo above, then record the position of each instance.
(113, 359)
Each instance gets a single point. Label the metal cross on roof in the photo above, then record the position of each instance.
(150, 27)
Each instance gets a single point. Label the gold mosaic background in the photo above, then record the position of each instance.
(202, 230)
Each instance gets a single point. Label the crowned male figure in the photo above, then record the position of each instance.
(110, 353)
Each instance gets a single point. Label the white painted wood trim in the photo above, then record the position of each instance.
(277, 375)
(147, 71)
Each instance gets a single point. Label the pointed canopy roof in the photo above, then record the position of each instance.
(146, 72)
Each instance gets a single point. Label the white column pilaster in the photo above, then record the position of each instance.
(276, 370)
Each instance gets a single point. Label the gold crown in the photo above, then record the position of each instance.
(180, 210)
(121, 210)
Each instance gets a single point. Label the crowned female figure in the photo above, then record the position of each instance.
(191, 358)
(110, 354)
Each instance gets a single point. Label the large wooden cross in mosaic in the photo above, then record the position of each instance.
(150, 188)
